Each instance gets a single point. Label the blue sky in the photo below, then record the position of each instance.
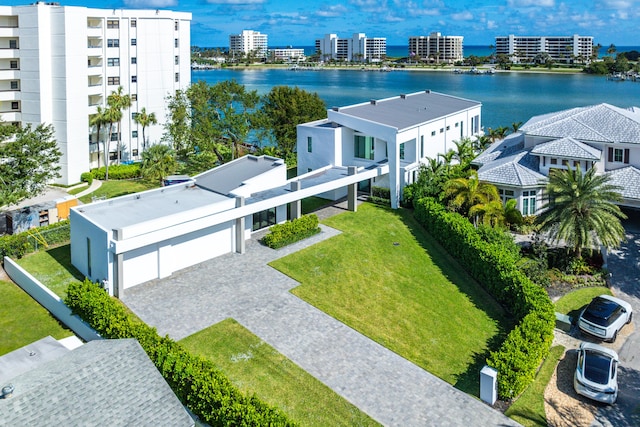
(299, 22)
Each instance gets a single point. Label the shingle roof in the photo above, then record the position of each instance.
(105, 382)
(519, 169)
(628, 178)
(512, 144)
(602, 122)
(568, 148)
(406, 111)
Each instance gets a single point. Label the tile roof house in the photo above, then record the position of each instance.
(101, 383)
(600, 136)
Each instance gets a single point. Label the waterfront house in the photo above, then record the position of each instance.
(600, 136)
(401, 132)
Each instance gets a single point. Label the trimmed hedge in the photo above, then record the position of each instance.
(87, 177)
(18, 245)
(291, 231)
(199, 385)
(118, 172)
(493, 263)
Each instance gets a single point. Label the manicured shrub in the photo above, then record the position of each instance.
(492, 260)
(291, 231)
(18, 245)
(199, 385)
(87, 177)
(381, 192)
(118, 172)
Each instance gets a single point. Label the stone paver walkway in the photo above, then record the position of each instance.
(389, 388)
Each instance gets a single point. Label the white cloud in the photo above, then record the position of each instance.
(462, 16)
(491, 25)
(529, 3)
(331, 11)
(236, 2)
(150, 4)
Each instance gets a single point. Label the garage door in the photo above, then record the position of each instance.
(200, 246)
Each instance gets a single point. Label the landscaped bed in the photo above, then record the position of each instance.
(388, 279)
(257, 368)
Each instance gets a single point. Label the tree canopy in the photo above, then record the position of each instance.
(581, 210)
(29, 160)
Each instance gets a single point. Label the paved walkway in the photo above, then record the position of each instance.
(95, 184)
(390, 389)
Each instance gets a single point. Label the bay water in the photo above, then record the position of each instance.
(506, 97)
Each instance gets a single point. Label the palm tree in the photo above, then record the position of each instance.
(481, 143)
(111, 116)
(467, 193)
(516, 126)
(581, 210)
(158, 162)
(145, 119)
(611, 49)
(98, 120)
(464, 151)
(119, 101)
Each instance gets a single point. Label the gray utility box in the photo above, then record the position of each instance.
(489, 385)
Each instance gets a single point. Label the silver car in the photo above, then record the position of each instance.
(596, 375)
(604, 317)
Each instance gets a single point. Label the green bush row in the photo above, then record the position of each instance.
(291, 231)
(492, 261)
(199, 385)
(381, 192)
(18, 245)
(87, 177)
(118, 172)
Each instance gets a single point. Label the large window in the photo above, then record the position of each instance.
(113, 42)
(363, 147)
(402, 151)
(264, 219)
(617, 155)
(506, 195)
(620, 155)
(113, 62)
(112, 23)
(529, 202)
(113, 81)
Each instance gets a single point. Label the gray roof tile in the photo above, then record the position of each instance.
(628, 178)
(598, 123)
(568, 148)
(106, 382)
(519, 169)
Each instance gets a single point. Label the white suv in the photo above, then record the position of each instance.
(604, 317)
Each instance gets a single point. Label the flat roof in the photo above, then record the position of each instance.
(406, 111)
(225, 178)
(136, 208)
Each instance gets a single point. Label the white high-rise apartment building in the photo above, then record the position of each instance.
(357, 48)
(437, 48)
(248, 41)
(58, 64)
(560, 48)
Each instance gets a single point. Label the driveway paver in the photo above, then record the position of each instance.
(386, 386)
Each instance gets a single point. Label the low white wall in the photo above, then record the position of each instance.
(49, 300)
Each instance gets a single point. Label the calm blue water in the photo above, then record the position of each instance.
(506, 97)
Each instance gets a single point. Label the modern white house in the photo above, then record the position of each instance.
(603, 136)
(59, 63)
(132, 239)
(559, 48)
(357, 48)
(401, 132)
(437, 48)
(248, 41)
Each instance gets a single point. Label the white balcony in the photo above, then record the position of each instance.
(10, 74)
(9, 94)
(95, 89)
(11, 116)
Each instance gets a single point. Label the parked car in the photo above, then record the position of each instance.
(604, 317)
(596, 375)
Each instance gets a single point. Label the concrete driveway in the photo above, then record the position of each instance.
(624, 265)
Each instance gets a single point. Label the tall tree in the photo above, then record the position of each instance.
(283, 108)
(112, 115)
(145, 119)
(581, 210)
(30, 160)
(158, 162)
(98, 120)
(177, 129)
(120, 101)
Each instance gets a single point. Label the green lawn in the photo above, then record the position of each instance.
(257, 368)
(573, 302)
(23, 320)
(388, 279)
(528, 410)
(115, 188)
(311, 204)
(52, 268)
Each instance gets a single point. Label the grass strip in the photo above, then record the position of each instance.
(257, 368)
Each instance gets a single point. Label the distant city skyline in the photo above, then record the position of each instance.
(289, 22)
